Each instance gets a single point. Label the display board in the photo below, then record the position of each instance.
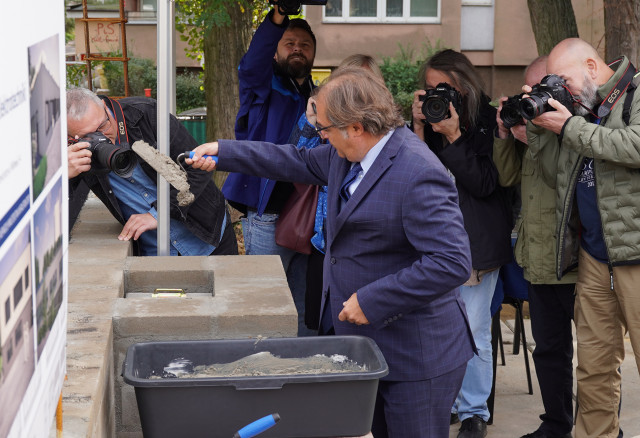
(33, 217)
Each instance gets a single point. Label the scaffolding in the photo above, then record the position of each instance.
(90, 57)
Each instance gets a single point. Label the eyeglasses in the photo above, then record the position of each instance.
(104, 124)
(320, 128)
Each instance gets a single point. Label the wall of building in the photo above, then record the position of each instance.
(141, 41)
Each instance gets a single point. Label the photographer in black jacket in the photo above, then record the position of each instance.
(460, 132)
(200, 228)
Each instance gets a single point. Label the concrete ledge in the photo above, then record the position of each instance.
(96, 260)
(228, 297)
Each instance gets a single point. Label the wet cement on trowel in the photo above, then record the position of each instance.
(266, 364)
(166, 167)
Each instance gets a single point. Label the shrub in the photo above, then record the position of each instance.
(189, 91)
(400, 73)
(143, 74)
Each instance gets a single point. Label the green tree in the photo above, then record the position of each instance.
(552, 21)
(219, 30)
(622, 29)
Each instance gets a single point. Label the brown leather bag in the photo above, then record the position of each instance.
(294, 227)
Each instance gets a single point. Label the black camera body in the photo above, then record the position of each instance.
(510, 112)
(436, 101)
(109, 157)
(551, 86)
(293, 7)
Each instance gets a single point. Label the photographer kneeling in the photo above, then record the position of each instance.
(455, 119)
(99, 132)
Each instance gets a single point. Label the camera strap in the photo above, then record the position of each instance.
(116, 110)
(618, 90)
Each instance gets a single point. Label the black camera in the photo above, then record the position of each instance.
(293, 7)
(436, 102)
(551, 86)
(510, 112)
(107, 156)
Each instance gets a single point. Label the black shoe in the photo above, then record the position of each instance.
(474, 427)
(454, 419)
(540, 434)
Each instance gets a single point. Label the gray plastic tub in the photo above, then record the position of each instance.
(315, 405)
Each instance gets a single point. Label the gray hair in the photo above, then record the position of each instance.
(78, 100)
(356, 95)
(361, 60)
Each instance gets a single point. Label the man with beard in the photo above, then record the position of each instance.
(275, 83)
(597, 164)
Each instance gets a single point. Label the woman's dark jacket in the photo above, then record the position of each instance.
(483, 202)
(204, 217)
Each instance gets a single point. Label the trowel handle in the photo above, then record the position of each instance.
(258, 426)
(213, 157)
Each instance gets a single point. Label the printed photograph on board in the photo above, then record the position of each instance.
(17, 362)
(44, 99)
(47, 269)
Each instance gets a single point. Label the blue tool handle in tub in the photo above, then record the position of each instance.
(257, 426)
(213, 157)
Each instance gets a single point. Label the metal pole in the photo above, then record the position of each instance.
(165, 65)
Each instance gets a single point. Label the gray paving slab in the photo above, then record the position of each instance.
(516, 412)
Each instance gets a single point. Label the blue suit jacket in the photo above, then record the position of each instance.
(399, 243)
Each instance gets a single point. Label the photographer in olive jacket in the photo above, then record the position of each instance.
(596, 160)
(463, 141)
(551, 300)
(201, 228)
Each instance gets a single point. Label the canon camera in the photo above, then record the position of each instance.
(293, 7)
(436, 101)
(551, 86)
(105, 155)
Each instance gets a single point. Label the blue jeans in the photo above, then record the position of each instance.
(259, 239)
(476, 385)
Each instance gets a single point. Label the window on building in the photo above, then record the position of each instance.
(26, 278)
(17, 292)
(148, 5)
(382, 11)
(476, 25)
(7, 310)
(18, 333)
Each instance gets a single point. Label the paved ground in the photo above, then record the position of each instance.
(516, 412)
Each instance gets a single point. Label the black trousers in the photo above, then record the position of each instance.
(313, 294)
(551, 310)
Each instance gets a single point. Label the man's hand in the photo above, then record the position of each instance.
(136, 225)
(351, 312)
(79, 159)
(198, 162)
(311, 114)
(277, 17)
(520, 133)
(450, 127)
(553, 120)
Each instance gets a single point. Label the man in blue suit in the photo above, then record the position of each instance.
(396, 246)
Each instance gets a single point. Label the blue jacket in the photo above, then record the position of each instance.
(270, 104)
(399, 242)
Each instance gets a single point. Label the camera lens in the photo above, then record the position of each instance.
(532, 106)
(122, 162)
(435, 109)
(510, 117)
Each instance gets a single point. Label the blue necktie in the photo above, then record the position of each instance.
(348, 180)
